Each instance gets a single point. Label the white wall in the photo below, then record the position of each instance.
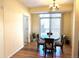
(67, 23)
(1, 31)
(35, 23)
(75, 36)
(13, 20)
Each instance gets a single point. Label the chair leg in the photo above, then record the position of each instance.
(52, 53)
(37, 47)
(45, 53)
(62, 48)
(55, 48)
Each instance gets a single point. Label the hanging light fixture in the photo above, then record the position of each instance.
(54, 6)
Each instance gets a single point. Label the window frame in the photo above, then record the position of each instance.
(50, 21)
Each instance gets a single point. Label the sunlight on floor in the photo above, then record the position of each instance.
(41, 52)
(58, 51)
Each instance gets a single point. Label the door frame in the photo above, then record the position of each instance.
(25, 16)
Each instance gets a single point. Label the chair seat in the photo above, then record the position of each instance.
(58, 42)
(49, 48)
(41, 41)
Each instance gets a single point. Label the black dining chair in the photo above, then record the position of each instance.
(48, 45)
(39, 41)
(60, 42)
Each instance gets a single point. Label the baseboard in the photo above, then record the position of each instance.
(15, 51)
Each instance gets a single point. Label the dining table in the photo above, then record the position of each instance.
(55, 37)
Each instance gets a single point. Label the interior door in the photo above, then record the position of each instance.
(25, 28)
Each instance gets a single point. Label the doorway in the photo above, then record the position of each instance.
(25, 29)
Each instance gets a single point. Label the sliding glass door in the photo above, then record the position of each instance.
(52, 24)
(56, 26)
(44, 26)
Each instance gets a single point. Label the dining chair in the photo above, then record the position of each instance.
(48, 45)
(33, 37)
(39, 41)
(60, 43)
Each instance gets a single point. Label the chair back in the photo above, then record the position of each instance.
(49, 43)
(62, 39)
(37, 37)
(33, 35)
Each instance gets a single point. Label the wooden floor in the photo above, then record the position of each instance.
(30, 51)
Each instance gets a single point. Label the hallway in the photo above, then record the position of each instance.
(30, 51)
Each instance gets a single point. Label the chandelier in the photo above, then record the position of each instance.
(54, 6)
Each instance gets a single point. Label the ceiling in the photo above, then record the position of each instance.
(37, 3)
